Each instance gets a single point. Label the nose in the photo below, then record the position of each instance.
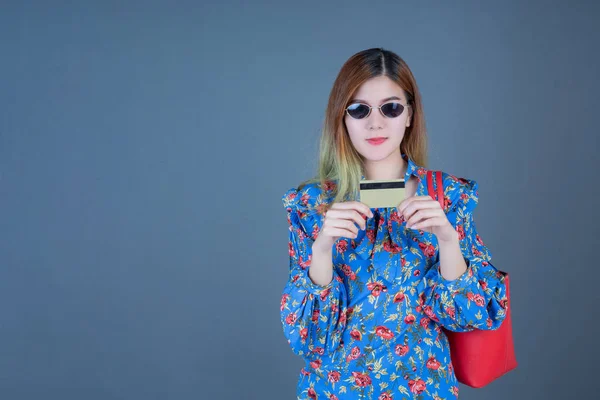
(375, 120)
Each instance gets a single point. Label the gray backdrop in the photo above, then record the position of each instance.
(145, 147)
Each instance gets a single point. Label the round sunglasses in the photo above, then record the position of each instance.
(392, 109)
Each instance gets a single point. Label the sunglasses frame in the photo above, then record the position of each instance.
(379, 107)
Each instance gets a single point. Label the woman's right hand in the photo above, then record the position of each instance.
(339, 222)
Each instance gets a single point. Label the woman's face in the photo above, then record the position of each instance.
(375, 92)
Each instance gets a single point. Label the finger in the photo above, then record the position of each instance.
(354, 205)
(347, 214)
(428, 223)
(339, 232)
(343, 224)
(420, 215)
(410, 200)
(418, 205)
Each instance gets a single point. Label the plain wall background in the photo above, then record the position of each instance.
(145, 147)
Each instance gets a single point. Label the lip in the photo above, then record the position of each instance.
(377, 140)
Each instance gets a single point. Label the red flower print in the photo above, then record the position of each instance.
(399, 297)
(417, 386)
(347, 270)
(391, 247)
(304, 199)
(479, 300)
(446, 203)
(333, 397)
(421, 298)
(355, 334)
(361, 379)
(396, 216)
(461, 231)
(409, 319)
(384, 332)
(354, 354)
(290, 319)
(341, 246)
(284, 300)
(315, 315)
(376, 288)
(303, 333)
(432, 363)
(451, 312)
(479, 240)
(311, 393)
(315, 232)
(424, 322)
(427, 248)
(304, 264)
(417, 272)
(304, 372)
(371, 235)
(429, 312)
(325, 293)
(483, 284)
(319, 350)
(333, 376)
(329, 185)
(316, 364)
(385, 396)
(291, 196)
(401, 349)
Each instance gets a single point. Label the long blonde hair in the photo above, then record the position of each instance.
(338, 159)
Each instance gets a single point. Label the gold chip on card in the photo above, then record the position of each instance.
(385, 193)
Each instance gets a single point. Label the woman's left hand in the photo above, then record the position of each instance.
(425, 213)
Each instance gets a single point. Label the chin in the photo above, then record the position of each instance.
(376, 157)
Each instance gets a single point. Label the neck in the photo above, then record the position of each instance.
(392, 167)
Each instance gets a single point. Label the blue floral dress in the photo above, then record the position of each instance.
(374, 332)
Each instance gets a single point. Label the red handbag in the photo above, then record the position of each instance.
(479, 356)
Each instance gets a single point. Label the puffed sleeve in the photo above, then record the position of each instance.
(313, 316)
(476, 299)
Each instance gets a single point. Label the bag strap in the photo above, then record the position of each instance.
(439, 196)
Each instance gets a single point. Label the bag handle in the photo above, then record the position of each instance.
(439, 196)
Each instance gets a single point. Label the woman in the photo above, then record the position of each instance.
(370, 289)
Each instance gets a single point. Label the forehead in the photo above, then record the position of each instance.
(377, 89)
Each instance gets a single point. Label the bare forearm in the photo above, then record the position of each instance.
(452, 262)
(320, 270)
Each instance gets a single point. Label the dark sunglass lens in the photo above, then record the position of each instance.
(358, 110)
(392, 110)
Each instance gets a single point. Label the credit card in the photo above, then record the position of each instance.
(385, 193)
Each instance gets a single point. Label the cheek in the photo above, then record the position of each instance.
(354, 128)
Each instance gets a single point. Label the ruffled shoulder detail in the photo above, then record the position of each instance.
(460, 193)
(306, 206)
